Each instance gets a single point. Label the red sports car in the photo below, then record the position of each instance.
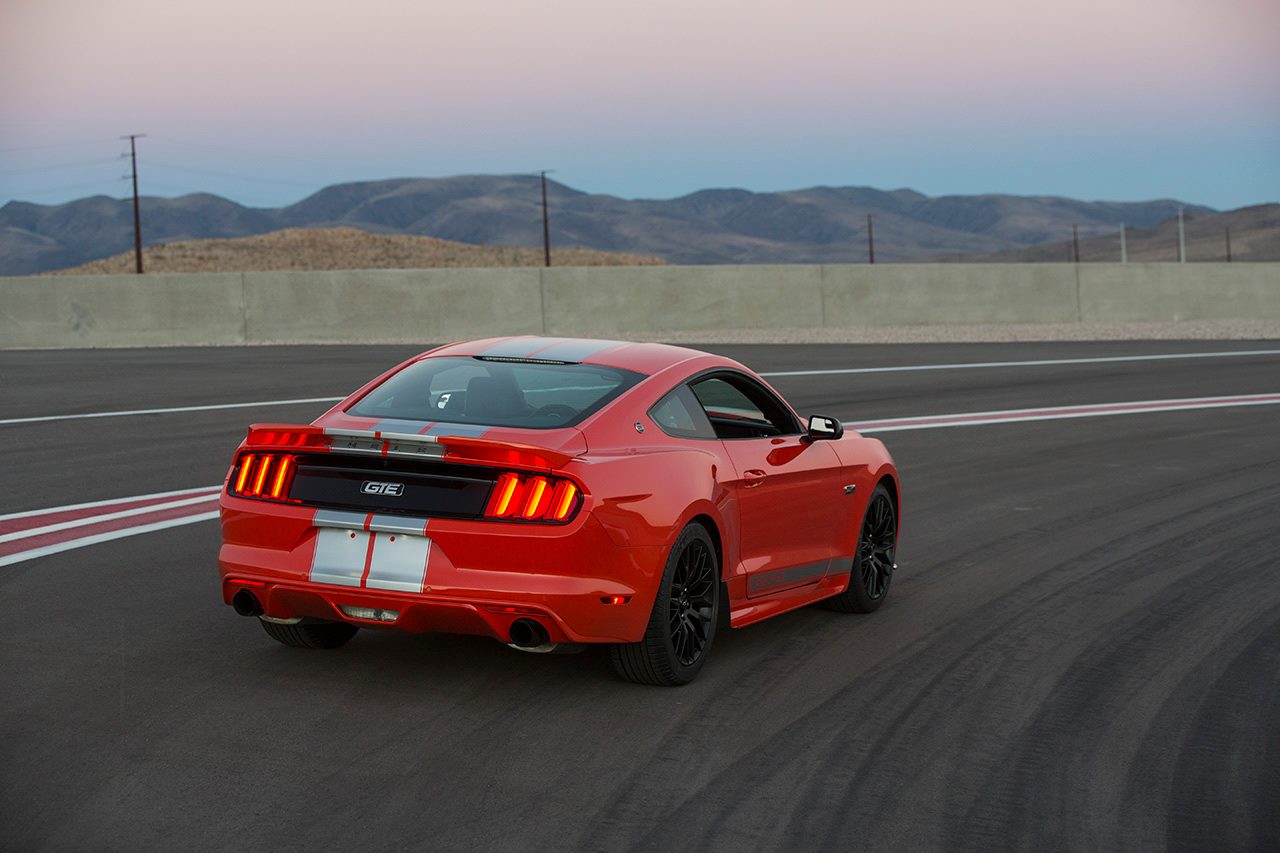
(548, 491)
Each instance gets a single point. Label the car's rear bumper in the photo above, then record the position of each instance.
(471, 577)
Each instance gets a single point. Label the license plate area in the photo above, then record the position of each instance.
(371, 559)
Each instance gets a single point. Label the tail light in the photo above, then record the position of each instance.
(263, 475)
(533, 498)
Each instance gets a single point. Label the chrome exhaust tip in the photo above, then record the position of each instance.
(530, 636)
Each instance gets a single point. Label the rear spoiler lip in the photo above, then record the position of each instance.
(366, 442)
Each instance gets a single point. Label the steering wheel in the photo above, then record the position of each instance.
(560, 410)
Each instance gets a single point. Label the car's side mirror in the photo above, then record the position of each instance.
(822, 427)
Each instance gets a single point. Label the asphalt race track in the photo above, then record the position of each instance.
(1081, 650)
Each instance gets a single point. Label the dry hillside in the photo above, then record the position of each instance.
(340, 249)
(1255, 236)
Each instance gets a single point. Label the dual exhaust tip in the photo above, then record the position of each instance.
(525, 634)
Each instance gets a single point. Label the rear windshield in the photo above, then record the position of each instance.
(495, 393)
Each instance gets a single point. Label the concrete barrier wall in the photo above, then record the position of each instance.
(449, 304)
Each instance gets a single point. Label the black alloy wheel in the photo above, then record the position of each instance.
(876, 545)
(683, 621)
(692, 602)
(875, 560)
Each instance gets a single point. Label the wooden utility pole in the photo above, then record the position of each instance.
(1182, 239)
(1228, 244)
(1124, 249)
(137, 218)
(871, 242)
(546, 223)
(1075, 243)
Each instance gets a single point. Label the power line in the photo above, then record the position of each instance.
(217, 174)
(72, 187)
(244, 152)
(55, 166)
(52, 146)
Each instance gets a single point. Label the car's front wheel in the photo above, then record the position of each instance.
(310, 635)
(683, 623)
(873, 565)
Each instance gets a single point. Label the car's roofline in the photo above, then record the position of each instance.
(644, 358)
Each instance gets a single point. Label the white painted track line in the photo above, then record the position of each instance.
(92, 504)
(209, 408)
(1004, 416)
(1044, 362)
(842, 371)
(96, 539)
(110, 516)
(1057, 413)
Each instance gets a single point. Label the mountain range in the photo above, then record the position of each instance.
(816, 225)
(1252, 232)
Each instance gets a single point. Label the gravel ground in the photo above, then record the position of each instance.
(1200, 330)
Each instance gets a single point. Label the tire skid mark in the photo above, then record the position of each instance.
(759, 770)
(1071, 758)
(1203, 749)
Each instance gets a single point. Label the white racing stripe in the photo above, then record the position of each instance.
(974, 365)
(99, 538)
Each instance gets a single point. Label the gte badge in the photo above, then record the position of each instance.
(395, 490)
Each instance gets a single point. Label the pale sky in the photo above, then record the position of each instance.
(265, 101)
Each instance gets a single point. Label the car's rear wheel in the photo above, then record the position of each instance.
(310, 635)
(683, 623)
(873, 564)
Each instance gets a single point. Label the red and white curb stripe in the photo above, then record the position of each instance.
(36, 533)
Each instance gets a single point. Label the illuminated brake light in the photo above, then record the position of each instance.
(246, 465)
(532, 498)
(263, 435)
(264, 475)
(539, 496)
(282, 473)
(501, 503)
(562, 501)
(260, 478)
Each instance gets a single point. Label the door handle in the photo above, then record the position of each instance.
(752, 477)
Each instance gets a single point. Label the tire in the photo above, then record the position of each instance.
(873, 564)
(685, 614)
(314, 635)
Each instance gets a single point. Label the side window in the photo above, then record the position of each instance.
(739, 408)
(679, 414)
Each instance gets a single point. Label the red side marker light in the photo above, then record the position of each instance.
(614, 599)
